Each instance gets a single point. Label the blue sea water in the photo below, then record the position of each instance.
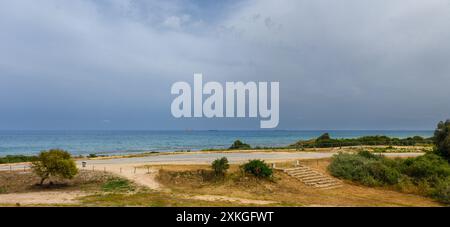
(122, 142)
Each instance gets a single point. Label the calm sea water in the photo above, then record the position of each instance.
(122, 142)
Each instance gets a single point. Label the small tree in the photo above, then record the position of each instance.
(239, 145)
(257, 168)
(54, 162)
(220, 166)
(442, 139)
(324, 136)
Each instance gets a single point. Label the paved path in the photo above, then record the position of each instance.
(128, 167)
(206, 158)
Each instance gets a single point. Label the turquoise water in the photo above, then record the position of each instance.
(122, 142)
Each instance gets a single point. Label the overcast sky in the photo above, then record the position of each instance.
(109, 64)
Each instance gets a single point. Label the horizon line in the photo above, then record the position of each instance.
(217, 130)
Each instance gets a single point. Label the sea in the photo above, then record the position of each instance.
(128, 142)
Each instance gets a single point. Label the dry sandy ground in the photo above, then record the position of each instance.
(133, 169)
(232, 199)
(146, 176)
(142, 176)
(40, 198)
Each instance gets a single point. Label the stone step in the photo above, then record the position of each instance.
(299, 171)
(298, 167)
(315, 177)
(303, 175)
(320, 181)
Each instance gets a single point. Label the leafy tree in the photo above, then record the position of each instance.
(239, 145)
(324, 136)
(54, 162)
(257, 168)
(442, 139)
(220, 166)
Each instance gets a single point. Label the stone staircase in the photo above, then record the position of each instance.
(313, 178)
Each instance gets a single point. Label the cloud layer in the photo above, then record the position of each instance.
(110, 64)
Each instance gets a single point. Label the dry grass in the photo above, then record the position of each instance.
(287, 191)
(152, 199)
(186, 185)
(27, 181)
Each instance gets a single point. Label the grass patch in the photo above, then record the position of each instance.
(118, 185)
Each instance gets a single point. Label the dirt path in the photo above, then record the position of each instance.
(36, 198)
(142, 176)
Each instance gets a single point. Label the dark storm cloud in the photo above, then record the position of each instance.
(110, 64)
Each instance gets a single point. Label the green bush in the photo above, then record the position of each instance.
(369, 155)
(442, 191)
(239, 145)
(220, 166)
(365, 168)
(257, 168)
(325, 136)
(54, 162)
(429, 174)
(326, 141)
(427, 167)
(16, 158)
(442, 139)
(383, 173)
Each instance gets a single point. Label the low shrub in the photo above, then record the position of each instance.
(428, 174)
(239, 145)
(257, 168)
(220, 166)
(16, 158)
(325, 140)
(366, 168)
(428, 167)
(369, 155)
(442, 191)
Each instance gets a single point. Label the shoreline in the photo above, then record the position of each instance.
(193, 158)
(117, 143)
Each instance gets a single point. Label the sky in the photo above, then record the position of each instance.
(110, 64)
